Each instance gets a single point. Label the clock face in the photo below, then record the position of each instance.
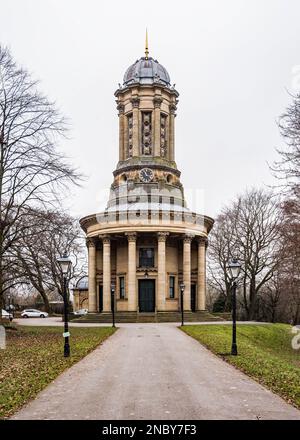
(146, 175)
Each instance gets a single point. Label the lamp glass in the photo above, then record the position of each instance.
(234, 267)
(182, 286)
(113, 287)
(65, 263)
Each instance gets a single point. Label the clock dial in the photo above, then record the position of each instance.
(146, 175)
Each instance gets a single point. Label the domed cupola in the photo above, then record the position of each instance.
(146, 71)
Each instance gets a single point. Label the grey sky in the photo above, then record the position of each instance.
(232, 62)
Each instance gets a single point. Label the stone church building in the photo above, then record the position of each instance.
(147, 241)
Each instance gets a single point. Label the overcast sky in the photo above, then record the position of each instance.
(233, 63)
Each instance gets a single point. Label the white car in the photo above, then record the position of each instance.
(81, 312)
(33, 313)
(6, 315)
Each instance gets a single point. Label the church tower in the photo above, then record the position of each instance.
(147, 242)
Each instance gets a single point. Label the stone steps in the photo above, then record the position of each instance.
(123, 317)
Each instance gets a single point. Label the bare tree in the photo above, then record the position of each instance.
(270, 299)
(54, 233)
(287, 170)
(222, 249)
(258, 241)
(288, 167)
(248, 229)
(290, 261)
(32, 171)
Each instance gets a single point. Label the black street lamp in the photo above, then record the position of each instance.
(113, 289)
(65, 264)
(10, 308)
(182, 287)
(234, 267)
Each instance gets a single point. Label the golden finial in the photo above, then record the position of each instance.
(146, 45)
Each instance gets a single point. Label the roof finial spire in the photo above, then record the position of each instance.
(146, 45)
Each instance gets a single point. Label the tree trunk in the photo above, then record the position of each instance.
(46, 302)
(252, 299)
(1, 289)
(297, 315)
(228, 299)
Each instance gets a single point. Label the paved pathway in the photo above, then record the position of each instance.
(154, 371)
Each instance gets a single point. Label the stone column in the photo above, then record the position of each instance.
(121, 131)
(92, 275)
(135, 121)
(131, 275)
(106, 274)
(202, 243)
(172, 131)
(161, 280)
(187, 271)
(157, 103)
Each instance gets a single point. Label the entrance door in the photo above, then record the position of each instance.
(100, 298)
(193, 297)
(146, 296)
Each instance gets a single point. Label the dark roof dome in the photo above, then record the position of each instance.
(146, 71)
(82, 283)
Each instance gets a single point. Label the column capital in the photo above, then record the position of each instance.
(162, 236)
(120, 108)
(90, 242)
(188, 238)
(157, 100)
(173, 108)
(131, 236)
(135, 101)
(202, 241)
(105, 238)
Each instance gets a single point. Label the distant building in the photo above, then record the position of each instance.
(147, 241)
(80, 294)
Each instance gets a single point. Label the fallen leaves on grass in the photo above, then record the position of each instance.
(34, 357)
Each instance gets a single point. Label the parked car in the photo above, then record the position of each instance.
(81, 312)
(6, 315)
(33, 313)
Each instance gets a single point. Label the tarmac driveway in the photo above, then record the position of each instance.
(154, 371)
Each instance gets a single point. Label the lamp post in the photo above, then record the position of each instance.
(10, 313)
(65, 264)
(182, 287)
(234, 267)
(113, 289)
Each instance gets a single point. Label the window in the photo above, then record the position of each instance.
(146, 134)
(122, 287)
(172, 287)
(130, 135)
(146, 257)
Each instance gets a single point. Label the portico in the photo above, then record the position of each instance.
(164, 257)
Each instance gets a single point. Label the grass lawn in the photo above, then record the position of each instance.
(34, 357)
(264, 353)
